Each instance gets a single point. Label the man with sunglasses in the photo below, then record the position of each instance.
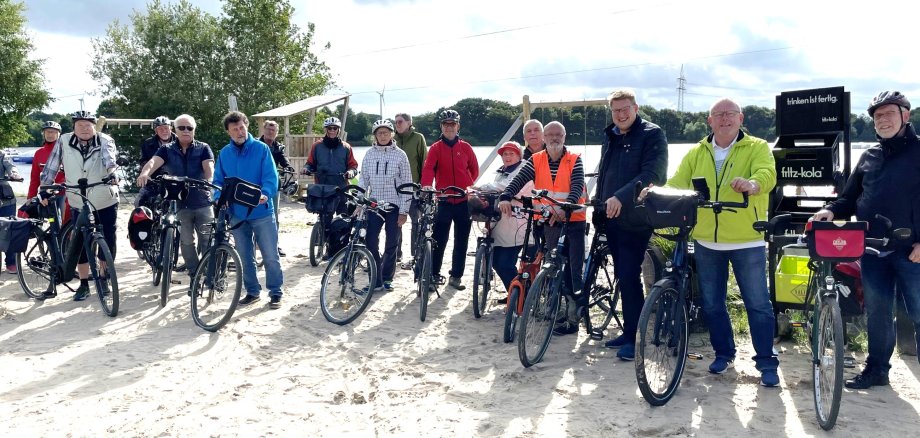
(331, 161)
(163, 136)
(194, 159)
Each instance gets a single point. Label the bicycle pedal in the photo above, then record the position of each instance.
(694, 356)
(174, 281)
(849, 362)
(596, 335)
(798, 324)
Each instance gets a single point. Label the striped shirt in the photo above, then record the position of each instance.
(527, 173)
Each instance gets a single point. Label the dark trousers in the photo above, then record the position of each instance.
(459, 215)
(628, 251)
(504, 262)
(8, 211)
(106, 218)
(386, 266)
(575, 251)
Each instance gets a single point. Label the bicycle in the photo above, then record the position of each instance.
(543, 303)
(288, 185)
(218, 282)
(664, 323)
(53, 256)
(482, 267)
(322, 199)
(828, 243)
(528, 268)
(424, 242)
(342, 295)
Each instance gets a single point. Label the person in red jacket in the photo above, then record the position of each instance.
(451, 162)
(51, 130)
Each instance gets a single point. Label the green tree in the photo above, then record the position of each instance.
(23, 89)
(760, 121)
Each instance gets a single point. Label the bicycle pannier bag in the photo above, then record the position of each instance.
(836, 241)
(339, 233)
(140, 224)
(14, 234)
(665, 208)
(322, 198)
(6, 191)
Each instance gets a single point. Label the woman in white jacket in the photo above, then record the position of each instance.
(509, 231)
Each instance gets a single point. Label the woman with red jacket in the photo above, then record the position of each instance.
(51, 131)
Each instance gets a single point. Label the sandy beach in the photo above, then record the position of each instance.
(69, 370)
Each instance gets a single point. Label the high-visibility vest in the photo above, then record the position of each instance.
(560, 188)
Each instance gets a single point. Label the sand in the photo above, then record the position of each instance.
(69, 370)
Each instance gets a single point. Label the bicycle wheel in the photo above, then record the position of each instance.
(167, 265)
(424, 279)
(828, 368)
(151, 253)
(317, 243)
(482, 281)
(102, 271)
(604, 292)
(511, 314)
(538, 319)
(661, 347)
(348, 284)
(33, 266)
(216, 288)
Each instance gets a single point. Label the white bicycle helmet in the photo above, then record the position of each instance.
(382, 124)
(160, 121)
(332, 121)
(51, 124)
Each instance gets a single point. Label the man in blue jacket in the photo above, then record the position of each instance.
(251, 160)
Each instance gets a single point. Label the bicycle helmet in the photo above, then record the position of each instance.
(450, 115)
(332, 121)
(160, 121)
(83, 115)
(51, 124)
(888, 97)
(382, 124)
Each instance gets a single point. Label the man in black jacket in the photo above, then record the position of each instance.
(163, 136)
(634, 150)
(886, 181)
(270, 137)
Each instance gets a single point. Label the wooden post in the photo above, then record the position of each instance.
(287, 130)
(526, 107)
(310, 120)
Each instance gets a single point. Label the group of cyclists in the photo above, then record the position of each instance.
(634, 155)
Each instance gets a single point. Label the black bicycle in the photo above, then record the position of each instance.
(351, 275)
(288, 185)
(664, 324)
(322, 199)
(483, 275)
(425, 243)
(54, 252)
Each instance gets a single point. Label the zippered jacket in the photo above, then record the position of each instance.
(450, 165)
(416, 148)
(750, 158)
(382, 170)
(252, 162)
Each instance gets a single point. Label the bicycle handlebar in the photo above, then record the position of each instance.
(361, 199)
(565, 206)
(20, 179)
(441, 193)
(82, 184)
(188, 180)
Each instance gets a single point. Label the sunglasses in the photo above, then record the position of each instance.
(185, 128)
(332, 128)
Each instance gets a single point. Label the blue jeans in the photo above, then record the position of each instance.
(879, 277)
(504, 262)
(264, 232)
(749, 266)
(7, 211)
(628, 251)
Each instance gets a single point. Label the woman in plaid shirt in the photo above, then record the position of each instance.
(384, 168)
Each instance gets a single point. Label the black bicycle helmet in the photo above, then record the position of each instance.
(83, 115)
(51, 124)
(450, 115)
(160, 121)
(888, 97)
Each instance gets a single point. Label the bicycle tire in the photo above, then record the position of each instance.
(34, 266)
(151, 254)
(537, 319)
(104, 278)
(168, 247)
(345, 292)
(424, 279)
(511, 314)
(481, 281)
(828, 368)
(215, 288)
(317, 241)
(661, 347)
(604, 292)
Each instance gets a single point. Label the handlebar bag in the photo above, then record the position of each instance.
(666, 208)
(6, 191)
(322, 198)
(14, 234)
(240, 191)
(174, 190)
(836, 241)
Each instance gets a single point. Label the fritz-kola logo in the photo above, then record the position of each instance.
(839, 243)
(801, 172)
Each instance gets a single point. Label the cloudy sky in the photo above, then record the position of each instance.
(428, 54)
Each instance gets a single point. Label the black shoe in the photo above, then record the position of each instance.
(281, 253)
(275, 302)
(867, 379)
(565, 329)
(81, 293)
(181, 268)
(248, 299)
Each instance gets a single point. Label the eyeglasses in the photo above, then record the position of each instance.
(725, 114)
(400, 122)
(332, 128)
(185, 128)
(624, 110)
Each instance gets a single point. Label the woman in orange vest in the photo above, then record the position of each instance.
(562, 174)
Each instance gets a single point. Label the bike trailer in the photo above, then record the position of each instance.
(140, 224)
(14, 234)
(339, 233)
(836, 241)
(666, 208)
(322, 198)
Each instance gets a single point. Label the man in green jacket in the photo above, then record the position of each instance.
(416, 148)
(733, 162)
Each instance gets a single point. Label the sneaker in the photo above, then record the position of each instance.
(627, 352)
(617, 342)
(275, 302)
(455, 283)
(388, 286)
(720, 365)
(281, 253)
(565, 329)
(82, 293)
(11, 269)
(363, 291)
(248, 299)
(769, 378)
(867, 379)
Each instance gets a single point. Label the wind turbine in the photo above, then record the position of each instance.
(382, 100)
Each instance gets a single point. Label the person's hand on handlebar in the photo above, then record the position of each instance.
(613, 207)
(644, 193)
(740, 184)
(823, 215)
(505, 208)
(142, 180)
(350, 173)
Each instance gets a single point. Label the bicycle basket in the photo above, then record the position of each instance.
(483, 206)
(173, 190)
(322, 198)
(665, 208)
(836, 241)
(14, 234)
